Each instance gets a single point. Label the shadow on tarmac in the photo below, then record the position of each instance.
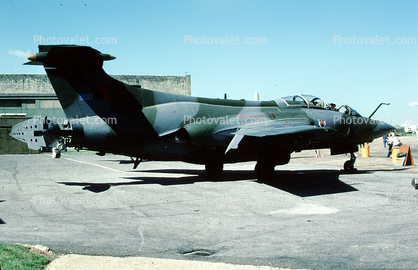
(307, 183)
(302, 183)
(1, 221)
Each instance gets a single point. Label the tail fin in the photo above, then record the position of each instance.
(84, 89)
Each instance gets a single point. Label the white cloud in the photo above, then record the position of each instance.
(19, 53)
(413, 103)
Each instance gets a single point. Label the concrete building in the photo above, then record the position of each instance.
(27, 95)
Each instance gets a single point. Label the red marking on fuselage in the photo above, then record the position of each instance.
(103, 89)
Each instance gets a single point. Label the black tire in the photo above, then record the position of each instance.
(214, 169)
(264, 171)
(348, 166)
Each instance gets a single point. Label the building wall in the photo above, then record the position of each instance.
(30, 84)
(33, 95)
(167, 84)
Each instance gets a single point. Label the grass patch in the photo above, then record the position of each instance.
(19, 257)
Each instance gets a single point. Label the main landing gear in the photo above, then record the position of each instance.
(349, 164)
(214, 168)
(264, 170)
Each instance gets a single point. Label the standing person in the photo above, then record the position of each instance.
(384, 140)
(390, 144)
(396, 141)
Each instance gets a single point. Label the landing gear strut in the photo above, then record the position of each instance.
(61, 147)
(136, 161)
(349, 164)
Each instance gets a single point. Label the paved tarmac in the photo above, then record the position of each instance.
(311, 215)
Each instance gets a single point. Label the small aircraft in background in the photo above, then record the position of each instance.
(108, 116)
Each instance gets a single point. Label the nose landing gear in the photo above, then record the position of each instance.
(349, 164)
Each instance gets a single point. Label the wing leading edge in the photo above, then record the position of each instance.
(274, 130)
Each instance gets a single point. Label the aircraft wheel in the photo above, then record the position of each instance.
(264, 171)
(214, 169)
(348, 166)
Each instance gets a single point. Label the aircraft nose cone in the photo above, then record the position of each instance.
(382, 129)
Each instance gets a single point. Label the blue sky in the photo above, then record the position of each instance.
(300, 46)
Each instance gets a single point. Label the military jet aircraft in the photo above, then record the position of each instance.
(108, 116)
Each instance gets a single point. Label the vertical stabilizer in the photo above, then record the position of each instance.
(85, 90)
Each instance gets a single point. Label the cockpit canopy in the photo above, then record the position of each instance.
(309, 101)
(300, 101)
(348, 110)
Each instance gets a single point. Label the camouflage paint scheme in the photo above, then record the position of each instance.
(112, 117)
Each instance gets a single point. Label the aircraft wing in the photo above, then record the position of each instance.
(276, 129)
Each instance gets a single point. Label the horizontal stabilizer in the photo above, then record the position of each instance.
(30, 132)
(36, 133)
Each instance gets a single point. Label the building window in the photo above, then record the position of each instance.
(49, 104)
(30, 104)
(46, 104)
(57, 104)
(11, 104)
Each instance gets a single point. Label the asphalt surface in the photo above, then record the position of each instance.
(311, 215)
